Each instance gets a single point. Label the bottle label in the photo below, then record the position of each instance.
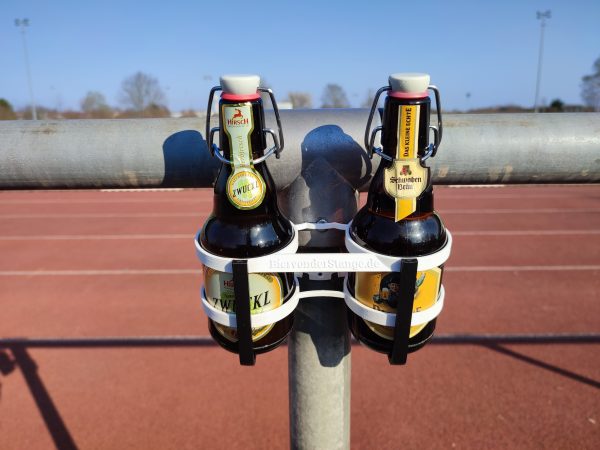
(406, 179)
(245, 186)
(266, 293)
(380, 291)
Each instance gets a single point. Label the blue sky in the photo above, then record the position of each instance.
(486, 48)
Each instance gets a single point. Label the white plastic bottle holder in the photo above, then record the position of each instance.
(392, 264)
(259, 264)
(287, 260)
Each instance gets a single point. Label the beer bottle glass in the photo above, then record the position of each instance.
(245, 221)
(399, 218)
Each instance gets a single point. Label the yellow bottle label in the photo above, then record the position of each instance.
(380, 291)
(245, 186)
(266, 293)
(406, 179)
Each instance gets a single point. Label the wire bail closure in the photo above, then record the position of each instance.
(371, 135)
(277, 137)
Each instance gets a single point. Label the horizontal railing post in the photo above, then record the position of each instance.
(150, 153)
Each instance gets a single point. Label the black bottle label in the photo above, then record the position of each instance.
(246, 188)
(406, 179)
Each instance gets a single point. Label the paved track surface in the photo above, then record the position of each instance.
(87, 264)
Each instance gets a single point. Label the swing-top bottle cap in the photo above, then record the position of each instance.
(240, 87)
(409, 84)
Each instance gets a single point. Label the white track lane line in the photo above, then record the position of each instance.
(99, 215)
(95, 237)
(106, 201)
(198, 271)
(520, 211)
(102, 237)
(525, 233)
(204, 198)
(145, 190)
(196, 214)
(70, 273)
(537, 268)
(523, 196)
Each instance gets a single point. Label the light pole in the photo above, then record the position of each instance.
(23, 23)
(541, 16)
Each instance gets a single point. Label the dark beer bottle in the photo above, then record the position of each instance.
(246, 221)
(398, 218)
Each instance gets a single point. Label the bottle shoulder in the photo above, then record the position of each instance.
(417, 235)
(246, 236)
(245, 233)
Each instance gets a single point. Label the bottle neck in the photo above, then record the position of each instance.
(405, 136)
(397, 110)
(242, 120)
(242, 141)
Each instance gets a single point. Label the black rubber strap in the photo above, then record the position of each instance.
(408, 277)
(241, 291)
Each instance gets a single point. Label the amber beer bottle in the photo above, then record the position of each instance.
(398, 218)
(246, 221)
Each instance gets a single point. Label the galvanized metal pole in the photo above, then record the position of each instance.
(319, 373)
(144, 153)
(319, 345)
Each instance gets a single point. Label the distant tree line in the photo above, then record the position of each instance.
(590, 87)
(142, 96)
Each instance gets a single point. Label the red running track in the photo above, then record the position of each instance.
(88, 264)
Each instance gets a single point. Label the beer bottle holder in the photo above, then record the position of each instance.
(359, 259)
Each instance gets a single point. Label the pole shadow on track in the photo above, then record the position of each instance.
(494, 343)
(64, 441)
(54, 422)
(7, 366)
(21, 359)
(536, 362)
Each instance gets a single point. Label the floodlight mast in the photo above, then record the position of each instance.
(540, 16)
(22, 24)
